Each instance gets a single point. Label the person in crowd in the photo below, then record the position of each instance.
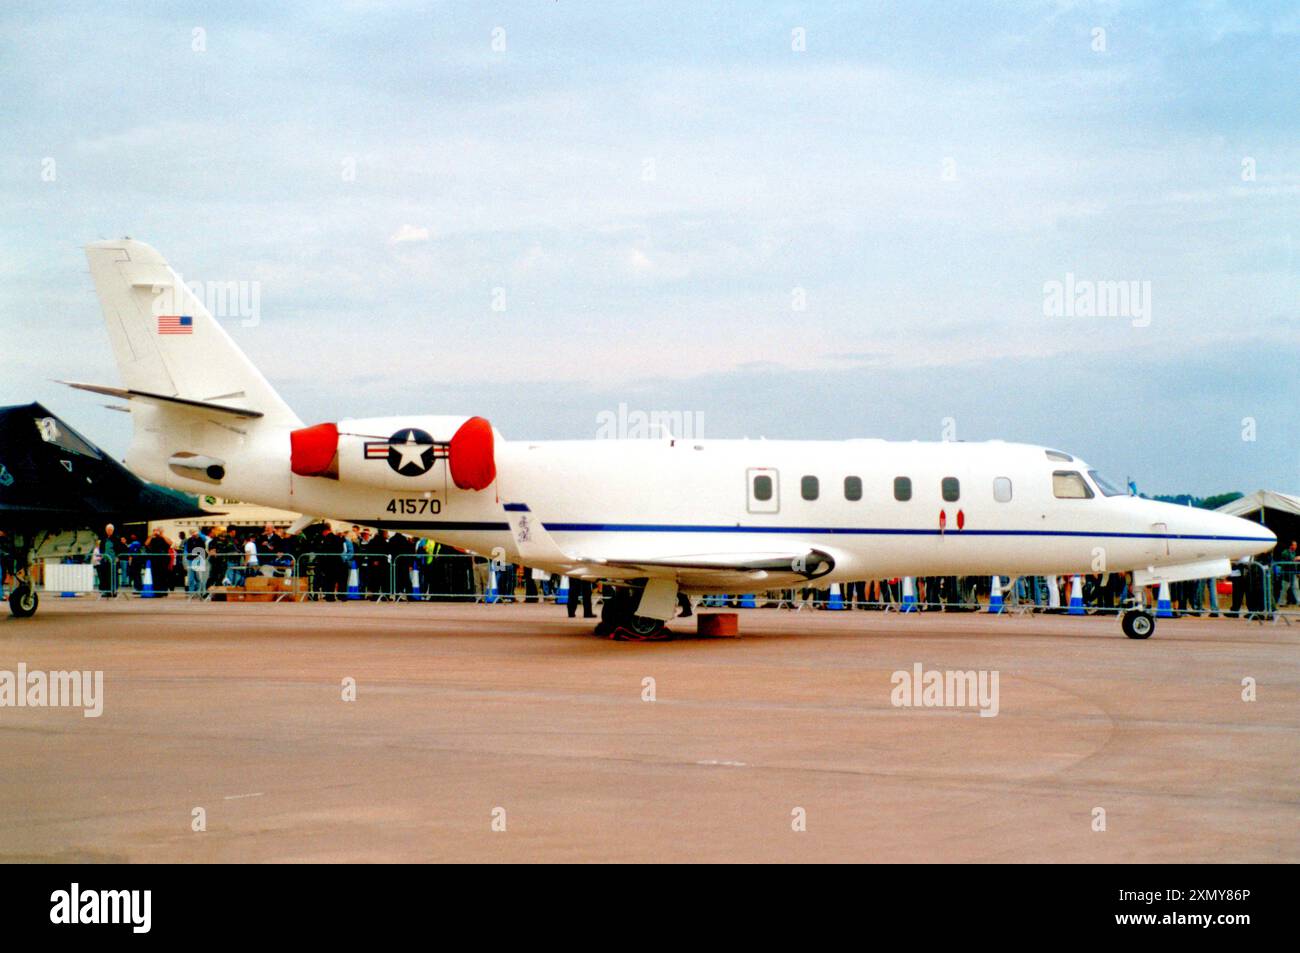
(252, 559)
(580, 591)
(1115, 588)
(134, 564)
(482, 570)
(195, 555)
(1288, 576)
(531, 578)
(506, 582)
(426, 552)
(1257, 583)
(365, 565)
(382, 566)
(158, 550)
(349, 555)
(401, 554)
(1238, 581)
(332, 565)
(1206, 590)
(107, 562)
(684, 604)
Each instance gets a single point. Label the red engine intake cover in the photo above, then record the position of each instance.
(470, 455)
(312, 450)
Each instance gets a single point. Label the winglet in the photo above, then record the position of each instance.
(532, 540)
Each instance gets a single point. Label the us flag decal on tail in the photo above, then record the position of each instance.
(175, 324)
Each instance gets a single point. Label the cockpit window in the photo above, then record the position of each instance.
(1059, 456)
(1070, 485)
(1107, 488)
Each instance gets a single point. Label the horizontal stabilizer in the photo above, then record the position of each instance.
(126, 393)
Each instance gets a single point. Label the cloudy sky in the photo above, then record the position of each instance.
(791, 219)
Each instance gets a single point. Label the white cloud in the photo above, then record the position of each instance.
(409, 233)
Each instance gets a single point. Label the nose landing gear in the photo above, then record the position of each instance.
(23, 601)
(1138, 623)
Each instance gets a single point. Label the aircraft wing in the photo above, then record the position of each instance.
(767, 570)
(735, 570)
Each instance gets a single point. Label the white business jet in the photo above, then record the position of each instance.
(651, 517)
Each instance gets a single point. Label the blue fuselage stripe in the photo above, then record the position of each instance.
(870, 531)
(799, 530)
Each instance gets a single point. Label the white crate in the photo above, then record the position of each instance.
(69, 577)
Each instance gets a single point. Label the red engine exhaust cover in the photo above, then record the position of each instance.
(471, 456)
(314, 450)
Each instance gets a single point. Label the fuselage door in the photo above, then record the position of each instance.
(1160, 545)
(763, 487)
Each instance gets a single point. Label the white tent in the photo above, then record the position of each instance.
(1263, 500)
(1280, 512)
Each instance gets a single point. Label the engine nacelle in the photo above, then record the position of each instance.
(399, 453)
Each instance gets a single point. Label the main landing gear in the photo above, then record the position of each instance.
(619, 621)
(1138, 623)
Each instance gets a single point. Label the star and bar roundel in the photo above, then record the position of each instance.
(411, 452)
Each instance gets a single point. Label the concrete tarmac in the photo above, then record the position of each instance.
(468, 716)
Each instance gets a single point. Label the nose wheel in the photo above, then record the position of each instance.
(23, 601)
(1138, 623)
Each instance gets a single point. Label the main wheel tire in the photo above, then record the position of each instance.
(23, 602)
(641, 629)
(1138, 624)
(645, 628)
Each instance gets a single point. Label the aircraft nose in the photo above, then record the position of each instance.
(1245, 537)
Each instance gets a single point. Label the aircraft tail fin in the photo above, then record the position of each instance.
(165, 340)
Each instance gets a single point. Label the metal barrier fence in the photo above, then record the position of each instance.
(421, 577)
(148, 575)
(1258, 591)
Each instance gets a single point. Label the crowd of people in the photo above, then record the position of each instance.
(1254, 588)
(360, 563)
(369, 564)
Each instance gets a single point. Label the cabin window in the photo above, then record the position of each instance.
(1070, 485)
(762, 488)
(1002, 489)
(852, 488)
(809, 488)
(902, 489)
(951, 489)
